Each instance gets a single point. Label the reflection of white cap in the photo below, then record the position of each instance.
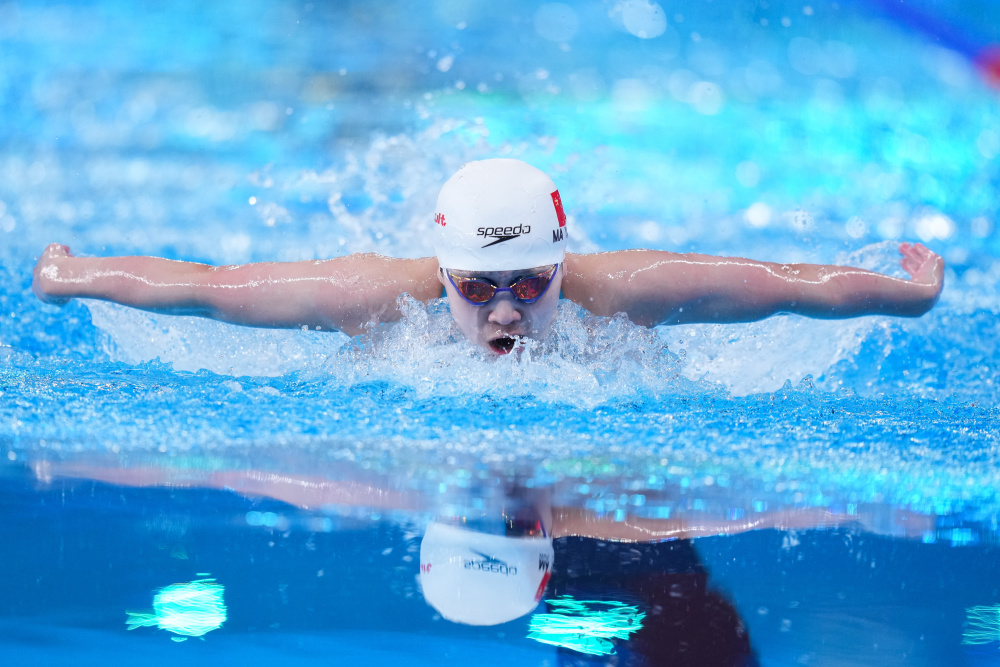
(499, 215)
(482, 579)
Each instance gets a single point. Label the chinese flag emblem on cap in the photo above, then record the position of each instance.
(559, 209)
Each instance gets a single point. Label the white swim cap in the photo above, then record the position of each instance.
(482, 579)
(499, 215)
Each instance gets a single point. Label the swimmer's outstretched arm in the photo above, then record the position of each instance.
(345, 294)
(305, 491)
(656, 287)
(576, 522)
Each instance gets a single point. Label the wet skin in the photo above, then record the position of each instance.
(498, 324)
(355, 292)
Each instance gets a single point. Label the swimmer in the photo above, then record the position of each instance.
(503, 528)
(500, 237)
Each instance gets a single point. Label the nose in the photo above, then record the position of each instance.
(504, 312)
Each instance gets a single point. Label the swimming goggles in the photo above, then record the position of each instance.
(526, 289)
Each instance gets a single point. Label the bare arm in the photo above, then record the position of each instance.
(655, 287)
(878, 519)
(567, 521)
(309, 492)
(345, 294)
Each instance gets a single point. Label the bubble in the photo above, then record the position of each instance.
(707, 98)
(556, 22)
(644, 19)
(264, 116)
(648, 231)
(934, 225)
(758, 215)
(800, 221)
(235, 246)
(445, 63)
(891, 227)
(856, 227)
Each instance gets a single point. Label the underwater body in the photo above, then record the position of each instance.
(177, 489)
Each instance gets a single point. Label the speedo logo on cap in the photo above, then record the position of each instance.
(501, 234)
(488, 564)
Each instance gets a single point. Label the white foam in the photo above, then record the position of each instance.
(761, 356)
(192, 344)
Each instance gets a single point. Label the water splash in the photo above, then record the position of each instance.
(584, 360)
(192, 344)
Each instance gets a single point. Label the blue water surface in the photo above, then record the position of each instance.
(235, 132)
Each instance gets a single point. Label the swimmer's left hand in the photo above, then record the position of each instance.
(925, 268)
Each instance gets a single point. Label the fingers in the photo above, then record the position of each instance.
(916, 253)
(911, 261)
(57, 250)
(924, 265)
(915, 250)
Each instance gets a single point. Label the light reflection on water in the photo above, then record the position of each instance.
(229, 133)
(332, 555)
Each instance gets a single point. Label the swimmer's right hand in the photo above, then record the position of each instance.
(45, 280)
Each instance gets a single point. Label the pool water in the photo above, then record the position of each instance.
(261, 495)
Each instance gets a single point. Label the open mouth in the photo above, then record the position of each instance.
(503, 344)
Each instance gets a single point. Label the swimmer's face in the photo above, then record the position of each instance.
(498, 324)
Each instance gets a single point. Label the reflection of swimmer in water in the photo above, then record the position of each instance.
(500, 239)
(494, 565)
(649, 565)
